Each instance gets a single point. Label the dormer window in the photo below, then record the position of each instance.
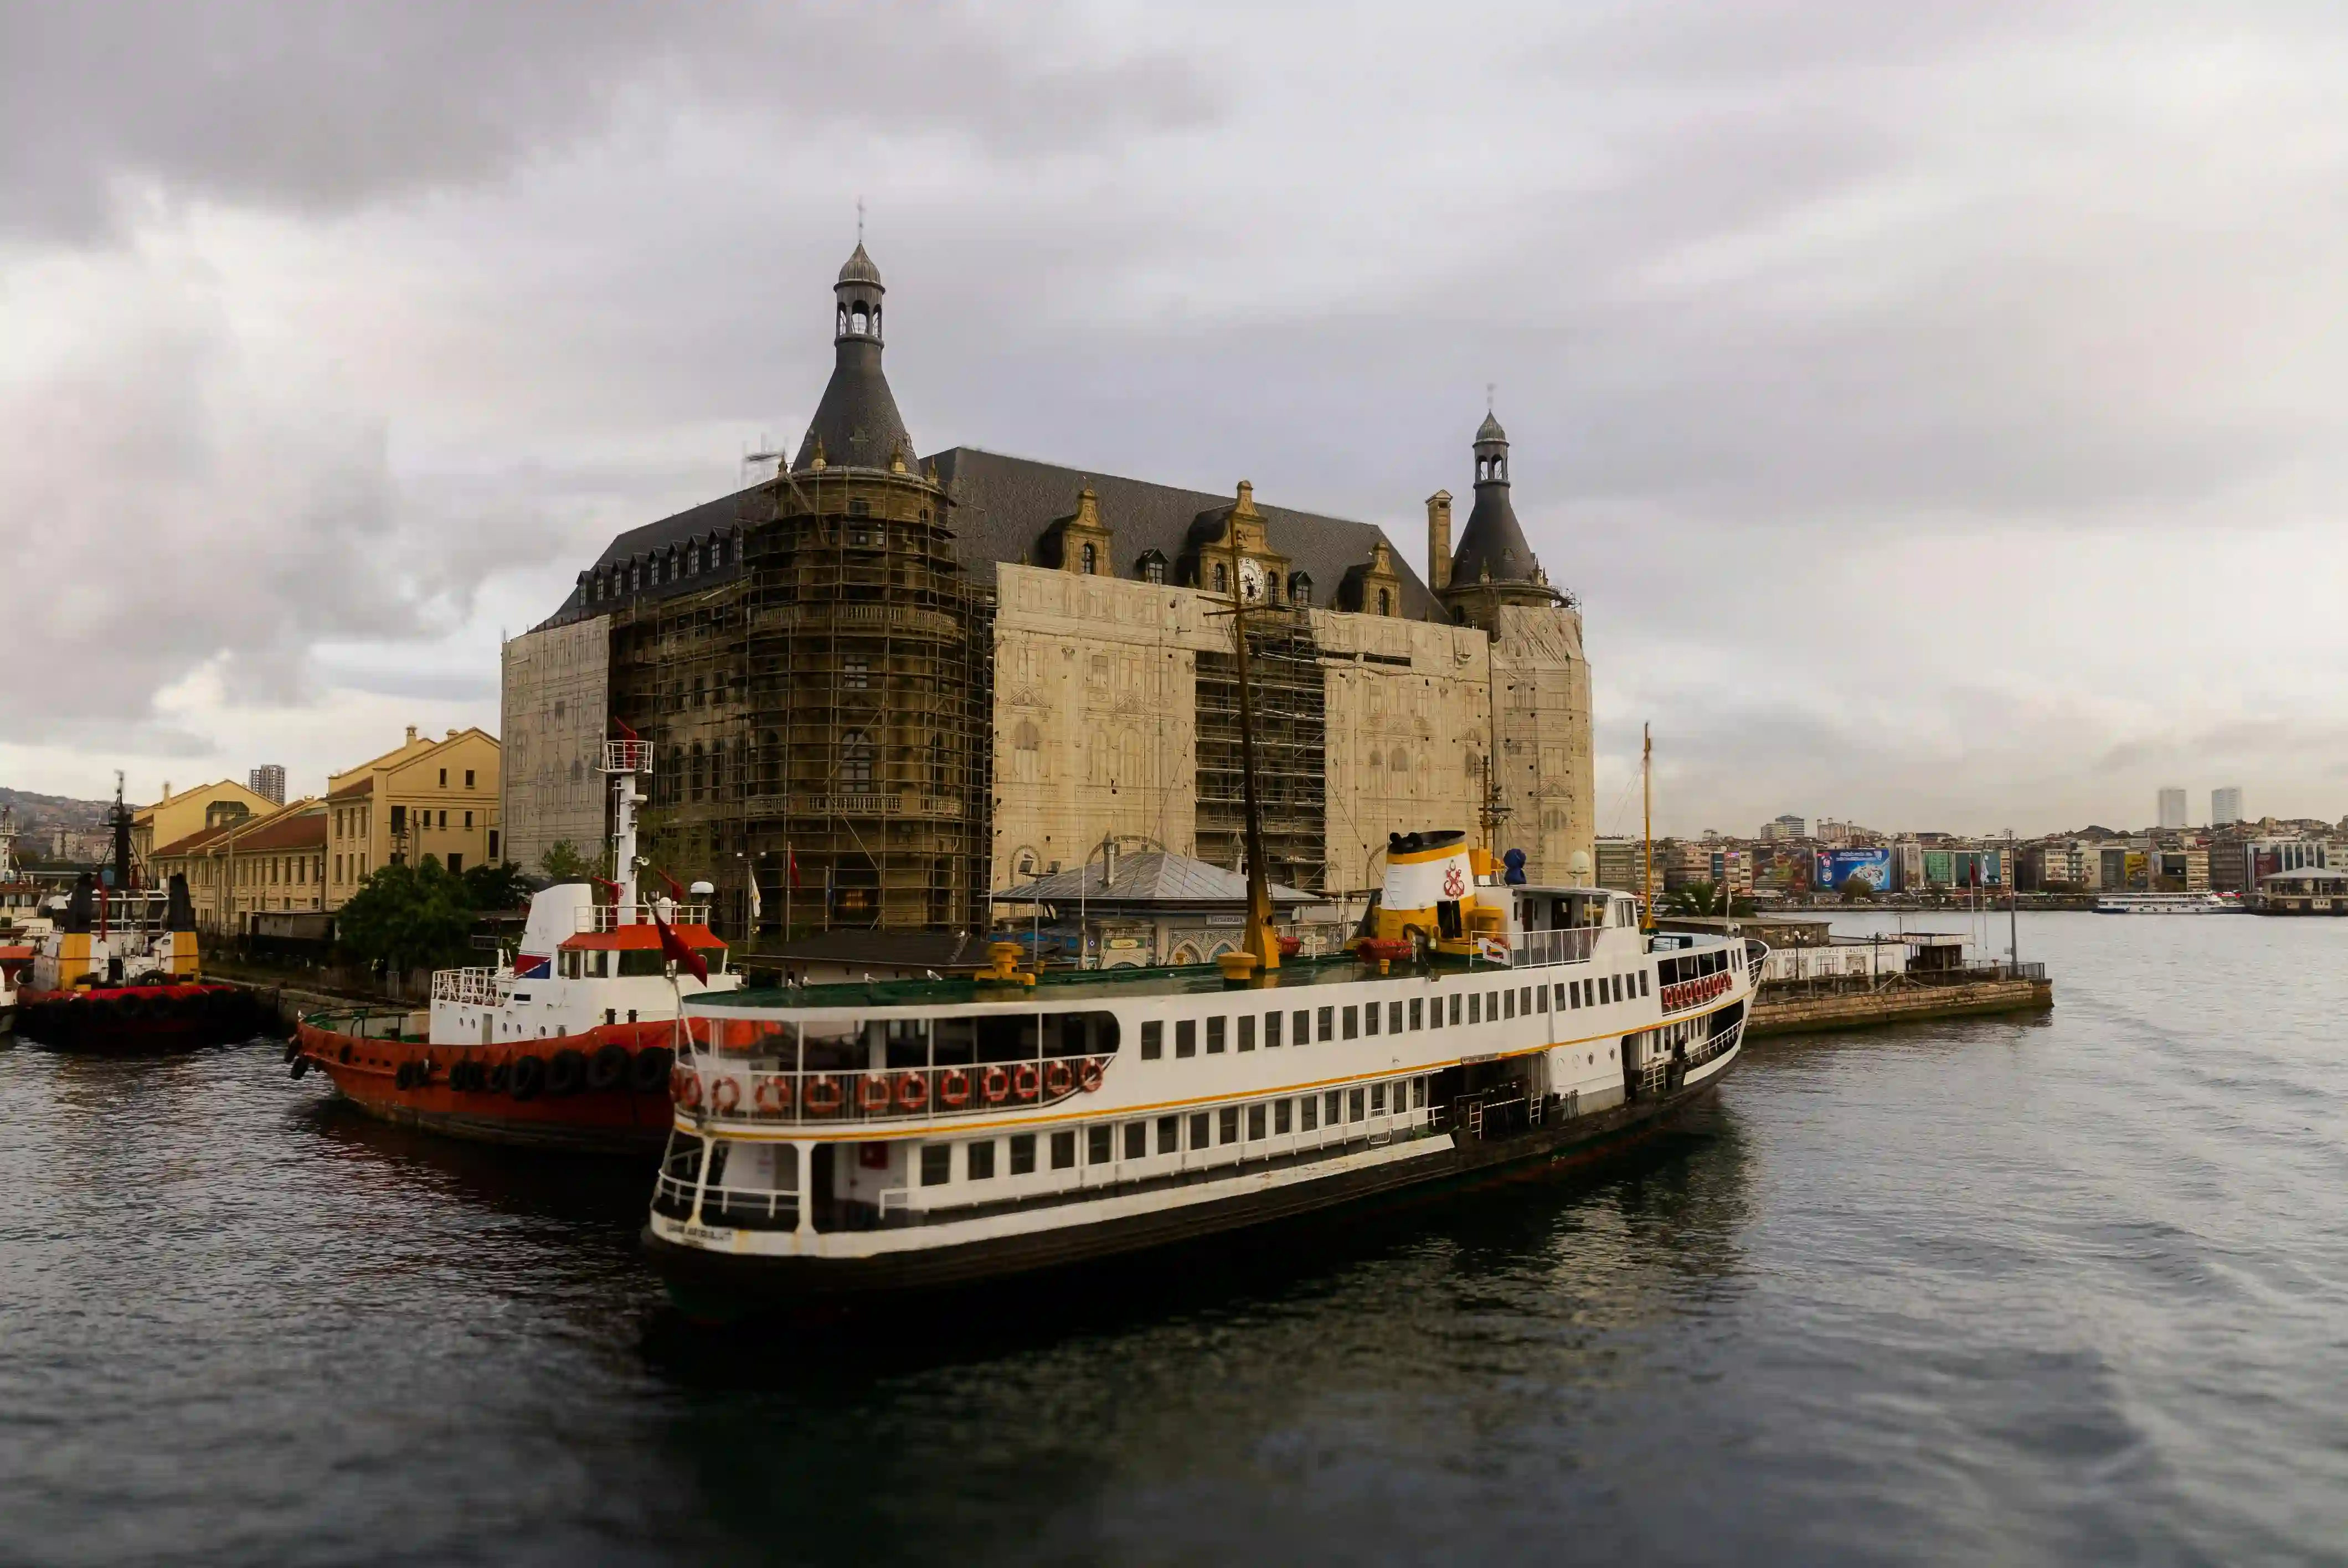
(1153, 567)
(1222, 578)
(1300, 589)
(1090, 561)
(1385, 602)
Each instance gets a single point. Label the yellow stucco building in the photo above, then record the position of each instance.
(184, 812)
(422, 797)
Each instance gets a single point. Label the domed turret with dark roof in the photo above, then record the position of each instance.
(857, 425)
(859, 268)
(1492, 548)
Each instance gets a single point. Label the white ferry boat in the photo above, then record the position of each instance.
(834, 1143)
(2168, 904)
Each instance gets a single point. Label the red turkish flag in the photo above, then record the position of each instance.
(673, 946)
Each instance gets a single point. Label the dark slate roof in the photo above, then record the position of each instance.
(1493, 540)
(1003, 505)
(1155, 879)
(719, 517)
(856, 421)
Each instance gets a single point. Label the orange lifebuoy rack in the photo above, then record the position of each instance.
(873, 1092)
(823, 1095)
(995, 1085)
(953, 1089)
(772, 1097)
(913, 1092)
(1059, 1078)
(1024, 1080)
(685, 1087)
(726, 1096)
(1089, 1076)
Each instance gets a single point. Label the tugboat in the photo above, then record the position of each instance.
(570, 1044)
(117, 969)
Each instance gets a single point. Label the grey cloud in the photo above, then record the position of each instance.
(325, 108)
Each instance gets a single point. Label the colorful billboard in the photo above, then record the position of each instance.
(1937, 869)
(1841, 869)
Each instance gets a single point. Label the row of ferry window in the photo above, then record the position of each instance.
(1195, 1131)
(1305, 1024)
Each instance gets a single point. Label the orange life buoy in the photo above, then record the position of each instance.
(913, 1092)
(823, 1095)
(1089, 1075)
(1059, 1078)
(873, 1092)
(1024, 1078)
(772, 1096)
(953, 1089)
(726, 1096)
(685, 1087)
(994, 1084)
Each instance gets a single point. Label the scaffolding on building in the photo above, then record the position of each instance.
(1287, 696)
(868, 656)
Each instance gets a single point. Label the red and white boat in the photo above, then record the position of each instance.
(569, 1045)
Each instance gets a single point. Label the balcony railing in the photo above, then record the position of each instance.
(612, 916)
(472, 988)
(891, 1094)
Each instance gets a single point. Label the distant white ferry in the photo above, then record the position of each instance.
(2168, 904)
(843, 1140)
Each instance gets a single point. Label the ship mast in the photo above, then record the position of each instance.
(1647, 793)
(120, 817)
(1260, 941)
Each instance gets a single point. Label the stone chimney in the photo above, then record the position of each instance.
(1438, 540)
(411, 735)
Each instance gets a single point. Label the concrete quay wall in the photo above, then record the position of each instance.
(1867, 1010)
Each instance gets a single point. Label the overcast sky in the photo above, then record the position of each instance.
(1938, 409)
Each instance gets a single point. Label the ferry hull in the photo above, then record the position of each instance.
(717, 1286)
(407, 1083)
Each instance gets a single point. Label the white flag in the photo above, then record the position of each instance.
(754, 897)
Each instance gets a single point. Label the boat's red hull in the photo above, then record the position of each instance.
(493, 1099)
(130, 1020)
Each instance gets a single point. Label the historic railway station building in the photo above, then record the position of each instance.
(885, 683)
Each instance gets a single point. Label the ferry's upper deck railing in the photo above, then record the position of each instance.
(1572, 945)
(627, 756)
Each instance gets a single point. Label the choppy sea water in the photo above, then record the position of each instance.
(2072, 1288)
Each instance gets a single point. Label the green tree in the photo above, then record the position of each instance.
(407, 916)
(563, 863)
(492, 887)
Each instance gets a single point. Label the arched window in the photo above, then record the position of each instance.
(1385, 602)
(855, 758)
(1222, 578)
(1153, 567)
(857, 320)
(1027, 752)
(1300, 589)
(1091, 560)
(1272, 587)
(1399, 764)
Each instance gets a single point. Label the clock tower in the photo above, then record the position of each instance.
(1231, 548)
